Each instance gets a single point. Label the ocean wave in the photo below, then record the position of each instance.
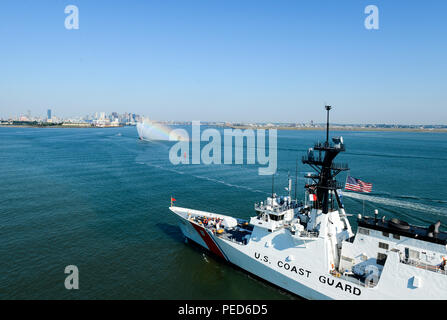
(228, 184)
(384, 155)
(397, 203)
(204, 178)
(411, 197)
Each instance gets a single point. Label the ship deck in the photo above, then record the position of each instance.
(412, 231)
(237, 235)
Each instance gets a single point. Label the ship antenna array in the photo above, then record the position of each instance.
(296, 176)
(328, 108)
(289, 184)
(324, 182)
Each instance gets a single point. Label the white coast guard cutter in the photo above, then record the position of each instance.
(311, 251)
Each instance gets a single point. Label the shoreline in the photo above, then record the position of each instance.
(359, 129)
(440, 130)
(56, 126)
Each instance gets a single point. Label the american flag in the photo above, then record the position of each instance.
(357, 185)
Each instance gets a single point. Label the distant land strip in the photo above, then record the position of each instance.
(397, 128)
(339, 128)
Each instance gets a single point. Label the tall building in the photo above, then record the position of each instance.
(49, 114)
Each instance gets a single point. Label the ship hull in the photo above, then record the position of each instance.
(303, 275)
(223, 250)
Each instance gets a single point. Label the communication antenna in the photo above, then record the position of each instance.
(296, 176)
(289, 184)
(328, 108)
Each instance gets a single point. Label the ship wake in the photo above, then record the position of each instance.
(397, 203)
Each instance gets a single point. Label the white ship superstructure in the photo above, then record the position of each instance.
(311, 251)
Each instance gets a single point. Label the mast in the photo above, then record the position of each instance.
(328, 108)
(326, 170)
(296, 176)
(289, 185)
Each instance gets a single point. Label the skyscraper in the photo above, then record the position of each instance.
(49, 114)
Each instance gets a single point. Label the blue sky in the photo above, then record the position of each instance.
(227, 60)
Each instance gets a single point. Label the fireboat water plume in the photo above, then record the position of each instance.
(149, 130)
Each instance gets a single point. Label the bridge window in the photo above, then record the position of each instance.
(363, 231)
(274, 217)
(412, 254)
(385, 234)
(383, 245)
(396, 236)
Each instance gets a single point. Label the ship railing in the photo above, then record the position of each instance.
(312, 159)
(421, 265)
(328, 145)
(339, 166)
(309, 234)
(277, 208)
(334, 184)
(317, 160)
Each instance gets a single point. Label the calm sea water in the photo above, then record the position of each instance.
(99, 198)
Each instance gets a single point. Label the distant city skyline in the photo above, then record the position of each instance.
(97, 115)
(133, 118)
(229, 61)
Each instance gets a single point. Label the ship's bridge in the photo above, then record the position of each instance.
(274, 213)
